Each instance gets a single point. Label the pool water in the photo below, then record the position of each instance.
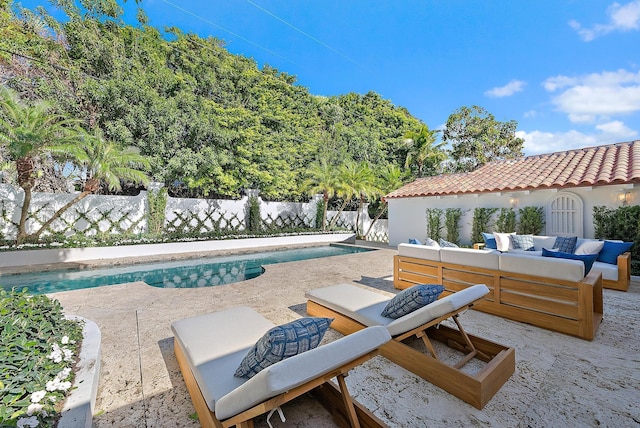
(204, 272)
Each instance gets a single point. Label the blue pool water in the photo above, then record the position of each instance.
(191, 273)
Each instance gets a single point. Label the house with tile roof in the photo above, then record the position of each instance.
(568, 185)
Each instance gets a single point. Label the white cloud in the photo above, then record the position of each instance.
(621, 17)
(507, 90)
(596, 96)
(531, 114)
(537, 142)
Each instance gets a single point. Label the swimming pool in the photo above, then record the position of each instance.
(190, 273)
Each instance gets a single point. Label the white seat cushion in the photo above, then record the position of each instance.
(365, 305)
(215, 344)
(563, 269)
(419, 251)
(607, 270)
(487, 259)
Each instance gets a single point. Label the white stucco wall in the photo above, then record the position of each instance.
(407, 217)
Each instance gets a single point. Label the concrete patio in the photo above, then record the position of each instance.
(559, 380)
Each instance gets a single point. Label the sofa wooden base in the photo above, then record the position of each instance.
(569, 307)
(346, 412)
(475, 389)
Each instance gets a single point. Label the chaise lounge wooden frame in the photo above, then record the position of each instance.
(476, 389)
(571, 307)
(345, 411)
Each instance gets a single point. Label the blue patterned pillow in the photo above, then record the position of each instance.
(282, 342)
(444, 243)
(489, 241)
(411, 299)
(414, 241)
(566, 244)
(522, 242)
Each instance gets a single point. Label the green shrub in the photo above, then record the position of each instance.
(531, 220)
(434, 223)
(452, 218)
(38, 349)
(621, 223)
(157, 201)
(481, 222)
(506, 221)
(319, 214)
(254, 219)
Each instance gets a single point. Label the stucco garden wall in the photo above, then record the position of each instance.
(407, 216)
(128, 214)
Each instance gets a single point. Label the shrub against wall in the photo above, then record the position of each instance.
(506, 221)
(531, 220)
(620, 223)
(452, 218)
(481, 222)
(434, 223)
(157, 201)
(254, 219)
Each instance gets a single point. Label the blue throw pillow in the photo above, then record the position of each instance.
(522, 242)
(587, 259)
(489, 241)
(411, 299)
(282, 342)
(414, 241)
(611, 250)
(566, 244)
(444, 243)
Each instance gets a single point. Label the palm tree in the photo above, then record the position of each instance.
(366, 186)
(390, 179)
(28, 132)
(422, 152)
(354, 179)
(321, 179)
(101, 161)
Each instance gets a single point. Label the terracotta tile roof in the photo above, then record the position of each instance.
(594, 166)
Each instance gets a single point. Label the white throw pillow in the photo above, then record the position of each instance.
(503, 242)
(431, 243)
(589, 247)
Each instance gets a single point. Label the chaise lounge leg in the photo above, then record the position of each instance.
(348, 403)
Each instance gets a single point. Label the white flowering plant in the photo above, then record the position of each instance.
(38, 351)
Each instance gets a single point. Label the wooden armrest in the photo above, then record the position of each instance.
(478, 245)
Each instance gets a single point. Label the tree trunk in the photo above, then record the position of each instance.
(358, 214)
(374, 220)
(334, 220)
(26, 180)
(57, 214)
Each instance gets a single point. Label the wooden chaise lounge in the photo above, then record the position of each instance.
(210, 347)
(355, 308)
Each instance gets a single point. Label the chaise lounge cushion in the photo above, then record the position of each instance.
(365, 305)
(214, 353)
(411, 299)
(282, 342)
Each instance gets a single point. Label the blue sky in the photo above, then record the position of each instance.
(567, 71)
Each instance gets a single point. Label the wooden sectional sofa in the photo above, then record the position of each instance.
(614, 277)
(547, 292)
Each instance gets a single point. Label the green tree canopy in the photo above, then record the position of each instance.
(476, 138)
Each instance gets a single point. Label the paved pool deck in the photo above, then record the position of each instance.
(559, 381)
